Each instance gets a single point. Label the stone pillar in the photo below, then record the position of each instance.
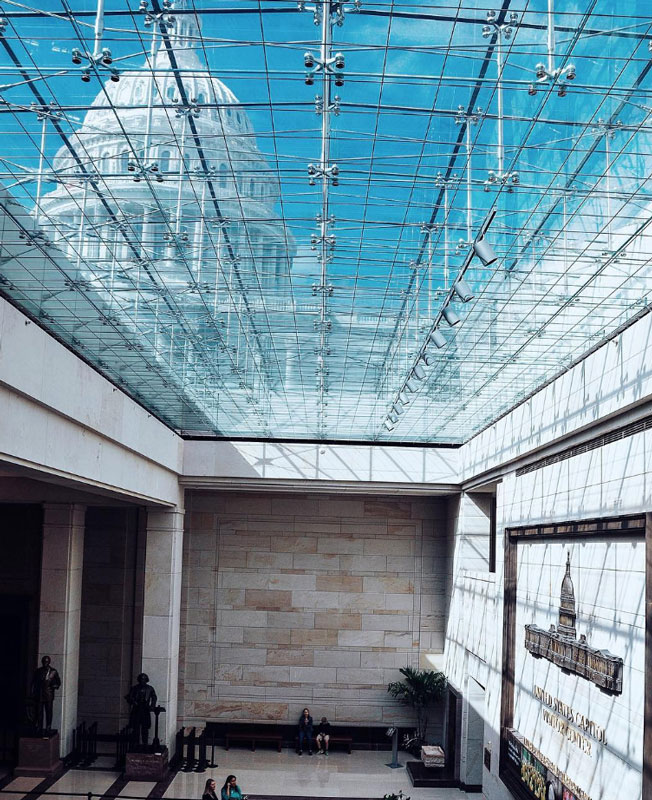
(162, 612)
(60, 607)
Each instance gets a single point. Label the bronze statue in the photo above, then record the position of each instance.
(45, 682)
(142, 701)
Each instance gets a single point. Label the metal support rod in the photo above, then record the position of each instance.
(430, 249)
(468, 180)
(150, 101)
(99, 29)
(80, 233)
(446, 265)
(325, 54)
(182, 145)
(607, 175)
(551, 37)
(39, 178)
(199, 242)
(499, 93)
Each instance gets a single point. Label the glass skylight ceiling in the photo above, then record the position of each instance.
(249, 261)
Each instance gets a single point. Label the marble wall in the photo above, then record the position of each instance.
(609, 583)
(293, 600)
(614, 479)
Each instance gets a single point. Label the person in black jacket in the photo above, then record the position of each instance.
(305, 731)
(323, 736)
(209, 790)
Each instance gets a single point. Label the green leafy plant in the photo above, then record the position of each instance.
(395, 796)
(420, 689)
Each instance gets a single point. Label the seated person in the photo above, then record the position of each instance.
(305, 731)
(323, 736)
(231, 790)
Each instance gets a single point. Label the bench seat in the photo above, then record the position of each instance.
(253, 738)
(334, 738)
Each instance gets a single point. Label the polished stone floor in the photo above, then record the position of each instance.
(265, 772)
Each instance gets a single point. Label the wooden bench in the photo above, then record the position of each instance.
(345, 740)
(253, 737)
(333, 739)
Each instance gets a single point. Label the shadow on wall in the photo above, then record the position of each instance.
(376, 463)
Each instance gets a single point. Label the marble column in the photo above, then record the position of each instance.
(60, 607)
(162, 612)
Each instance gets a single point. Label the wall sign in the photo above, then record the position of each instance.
(534, 775)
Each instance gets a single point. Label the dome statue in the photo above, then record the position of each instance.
(567, 614)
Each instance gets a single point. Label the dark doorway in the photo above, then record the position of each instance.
(21, 528)
(14, 667)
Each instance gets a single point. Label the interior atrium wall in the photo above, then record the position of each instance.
(593, 735)
(307, 599)
(110, 650)
(62, 418)
(609, 582)
(614, 378)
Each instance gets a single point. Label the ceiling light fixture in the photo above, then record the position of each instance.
(463, 290)
(438, 338)
(484, 251)
(450, 316)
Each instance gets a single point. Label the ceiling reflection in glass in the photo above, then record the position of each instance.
(328, 220)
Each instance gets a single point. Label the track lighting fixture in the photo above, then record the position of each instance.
(403, 399)
(419, 372)
(438, 339)
(450, 316)
(484, 251)
(392, 418)
(398, 409)
(463, 290)
(388, 425)
(411, 385)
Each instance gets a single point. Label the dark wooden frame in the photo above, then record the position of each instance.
(605, 527)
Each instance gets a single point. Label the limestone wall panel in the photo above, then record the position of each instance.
(295, 600)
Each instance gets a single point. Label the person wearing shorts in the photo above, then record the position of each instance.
(323, 736)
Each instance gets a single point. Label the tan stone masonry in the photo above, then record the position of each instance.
(307, 600)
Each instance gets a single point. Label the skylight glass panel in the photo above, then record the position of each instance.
(252, 217)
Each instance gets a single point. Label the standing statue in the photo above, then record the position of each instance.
(45, 682)
(142, 701)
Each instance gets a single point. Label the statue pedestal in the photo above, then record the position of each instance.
(38, 756)
(147, 766)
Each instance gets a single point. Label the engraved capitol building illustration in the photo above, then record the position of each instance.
(561, 646)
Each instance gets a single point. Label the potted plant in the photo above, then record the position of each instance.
(396, 796)
(420, 689)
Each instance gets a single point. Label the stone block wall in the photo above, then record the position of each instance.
(317, 600)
